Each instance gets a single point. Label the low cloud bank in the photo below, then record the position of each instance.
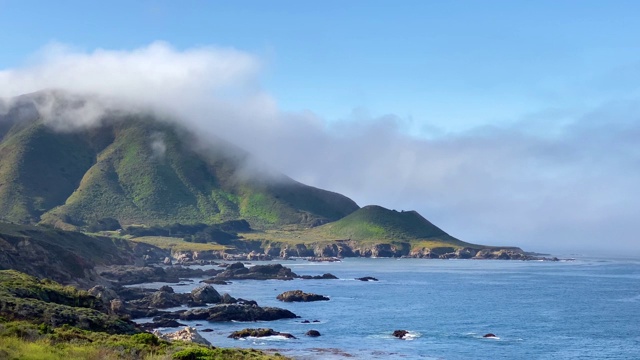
(570, 187)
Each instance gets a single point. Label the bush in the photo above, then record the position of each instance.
(194, 354)
(146, 339)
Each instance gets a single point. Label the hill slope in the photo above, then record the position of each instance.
(376, 224)
(140, 170)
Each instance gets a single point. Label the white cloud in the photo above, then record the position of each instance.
(560, 180)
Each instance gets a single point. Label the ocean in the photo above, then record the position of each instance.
(582, 309)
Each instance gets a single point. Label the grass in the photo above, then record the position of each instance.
(43, 320)
(369, 225)
(73, 178)
(176, 244)
(25, 341)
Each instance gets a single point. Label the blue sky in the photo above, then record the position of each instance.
(451, 65)
(504, 122)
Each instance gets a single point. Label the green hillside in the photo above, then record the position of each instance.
(376, 224)
(140, 170)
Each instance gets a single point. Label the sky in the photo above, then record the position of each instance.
(503, 122)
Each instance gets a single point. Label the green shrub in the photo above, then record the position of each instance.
(194, 354)
(146, 339)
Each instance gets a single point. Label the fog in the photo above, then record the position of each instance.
(560, 180)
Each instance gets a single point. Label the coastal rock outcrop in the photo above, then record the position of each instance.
(313, 333)
(188, 334)
(130, 275)
(237, 312)
(238, 271)
(205, 294)
(327, 276)
(300, 296)
(262, 332)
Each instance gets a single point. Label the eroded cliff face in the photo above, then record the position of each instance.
(347, 248)
(67, 257)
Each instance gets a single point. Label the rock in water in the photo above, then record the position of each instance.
(188, 334)
(237, 312)
(367, 278)
(205, 294)
(313, 333)
(489, 335)
(299, 296)
(258, 333)
(238, 271)
(400, 334)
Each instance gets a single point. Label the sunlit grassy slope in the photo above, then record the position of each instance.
(177, 244)
(370, 224)
(138, 169)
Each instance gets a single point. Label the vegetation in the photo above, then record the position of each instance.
(136, 169)
(177, 244)
(368, 225)
(63, 256)
(23, 297)
(26, 341)
(41, 319)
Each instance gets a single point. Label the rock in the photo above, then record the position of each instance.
(188, 334)
(167, 261)
(313, 333)
(206, 330)
(129, 275)
(228, 299)
(400, 334)
(489, 335)
(300, 296)
(367, 278)
(163, 300)
(205, 294)
(116, 306)
(326, 276)
(259, 272)
(306, 322)
(167, 289)
(237, 312)
(103, 293)
(258, 333)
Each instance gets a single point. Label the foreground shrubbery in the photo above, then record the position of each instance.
(26, 341)
(43, 320)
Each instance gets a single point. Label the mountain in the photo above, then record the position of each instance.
(138, 169)
(376, 224)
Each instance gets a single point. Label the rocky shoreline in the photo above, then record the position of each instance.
(345, 249)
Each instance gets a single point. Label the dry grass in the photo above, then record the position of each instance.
(175, 244)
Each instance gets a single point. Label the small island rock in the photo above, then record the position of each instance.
(300, 296)
(262, 332)
(400, 334)
(367, 278)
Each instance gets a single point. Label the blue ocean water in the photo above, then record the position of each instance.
(582, 309)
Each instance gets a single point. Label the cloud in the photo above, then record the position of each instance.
(560, 180)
